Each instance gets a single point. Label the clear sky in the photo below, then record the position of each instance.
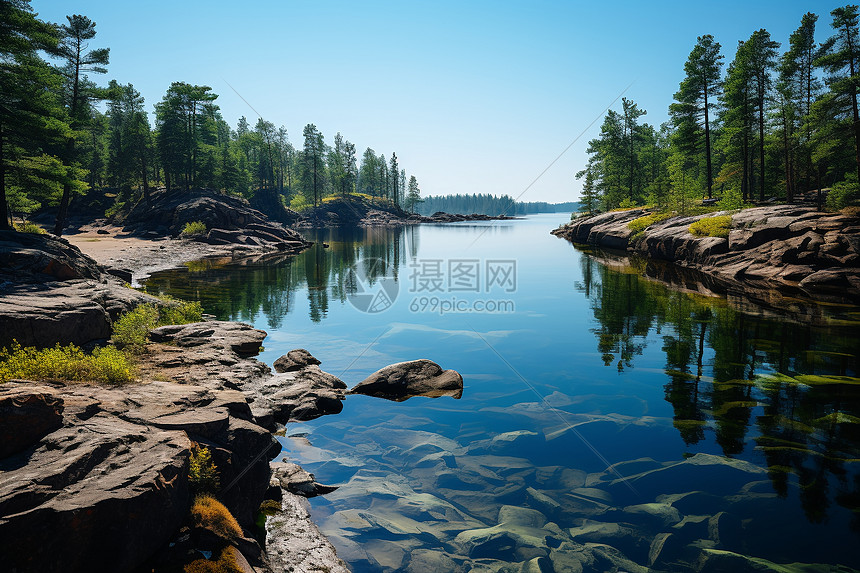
(475, 97)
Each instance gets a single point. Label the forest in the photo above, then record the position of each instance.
(771, 126)
(63, 134)
(489, 204)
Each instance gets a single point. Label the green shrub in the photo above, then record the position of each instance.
(844, 193)
(194, 228)
(202, 473)
(131, 330)
(65, 363)
(641, 223)
(732, 200)
(712, 226)
(299, 203)
(29, 228)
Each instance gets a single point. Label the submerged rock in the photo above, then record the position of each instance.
(404, 380)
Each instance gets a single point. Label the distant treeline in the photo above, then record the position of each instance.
(487, 204)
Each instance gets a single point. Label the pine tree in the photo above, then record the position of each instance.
(30, 113)
(696, 98)
(413, 196)
(841, 60)
(79, 91)
(762, 61)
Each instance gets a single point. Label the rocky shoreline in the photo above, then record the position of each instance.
(789, 249)
(96, 477)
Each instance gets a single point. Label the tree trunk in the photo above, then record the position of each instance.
(4, 208)
(761, 145)
(789, 194)
(708, 146)
(854, 101)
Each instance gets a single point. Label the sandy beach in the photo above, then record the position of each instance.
(139, 255)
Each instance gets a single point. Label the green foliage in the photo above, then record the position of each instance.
(29, 228)
(194, 228)
(202, 473)
(639, 224)
(65, 363)
(299, 203)
(844, 193)
(131, 330)
(210, 514)
(731, 200)
(627, 203)
(712, 226)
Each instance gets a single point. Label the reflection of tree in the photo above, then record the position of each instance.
(730, 371)
(267, 284)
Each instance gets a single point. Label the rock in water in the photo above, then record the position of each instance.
(294, 360)
(300, 392)
(404, 380)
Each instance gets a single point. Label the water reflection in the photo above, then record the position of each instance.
(785, 390)
(267, 284)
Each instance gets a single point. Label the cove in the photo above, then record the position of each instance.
(607, 420)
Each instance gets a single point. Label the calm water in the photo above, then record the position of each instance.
(603, 409)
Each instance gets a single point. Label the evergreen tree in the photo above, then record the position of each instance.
(696, 98)
(393, 186)
(413, 196)
(762, 61)
(841, 61)
(79, 91)
(30, 113)
(313, 164)
(737, 119)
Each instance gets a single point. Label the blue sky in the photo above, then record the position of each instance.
(475, 97)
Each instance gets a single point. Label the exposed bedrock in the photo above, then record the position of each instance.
(791, 248)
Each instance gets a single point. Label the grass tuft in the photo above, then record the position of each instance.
(210, 514)
(225, 563)
(30, 228)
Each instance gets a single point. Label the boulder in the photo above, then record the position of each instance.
(404, 380)
(294, 360)
(294, 479)
(302, 392)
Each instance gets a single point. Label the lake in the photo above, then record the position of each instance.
(607, 422)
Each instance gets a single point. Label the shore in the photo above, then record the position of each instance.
(112, 247)
(790, 249)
